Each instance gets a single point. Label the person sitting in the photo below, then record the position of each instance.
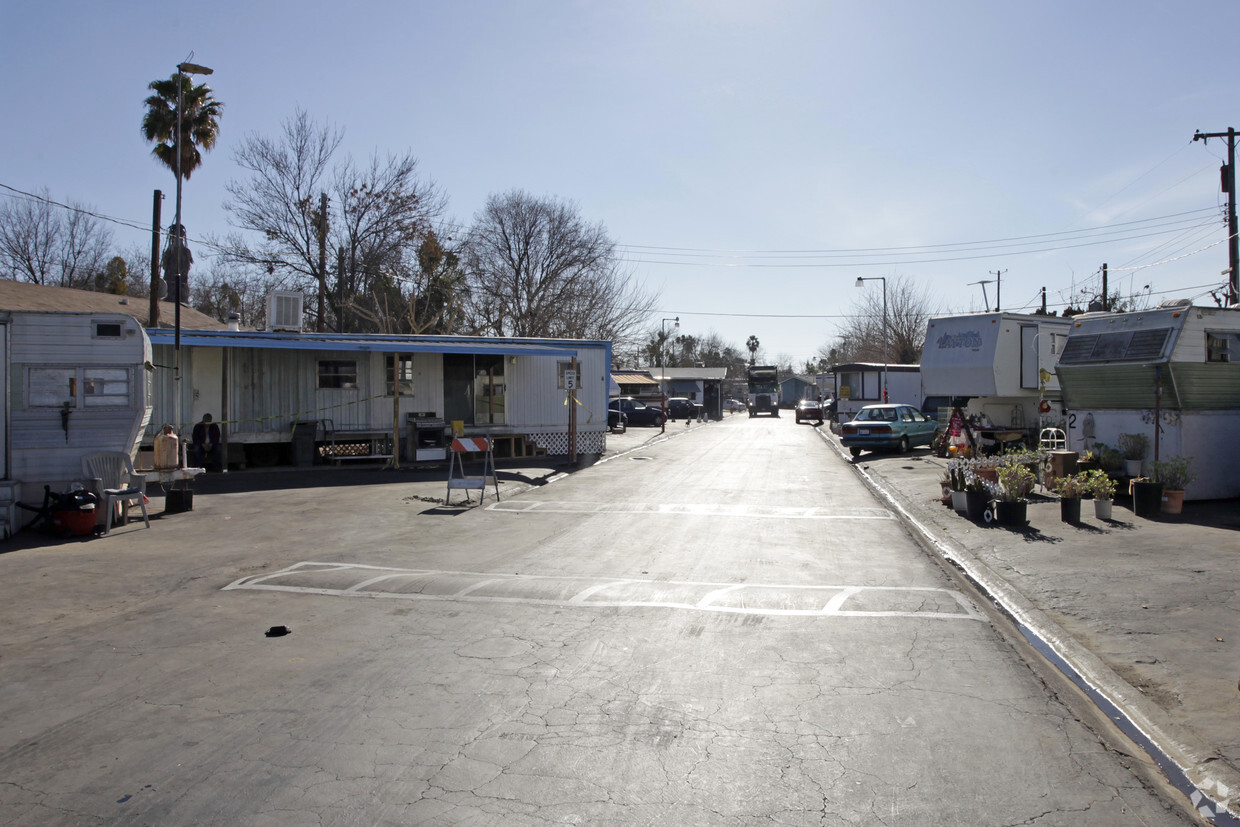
(204, 449)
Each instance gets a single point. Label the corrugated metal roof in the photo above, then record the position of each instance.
(377, 343)
(634, 379)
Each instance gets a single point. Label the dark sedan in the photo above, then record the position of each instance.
(638, 412)
(809, 410)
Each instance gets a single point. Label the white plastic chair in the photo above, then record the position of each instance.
(116, 483)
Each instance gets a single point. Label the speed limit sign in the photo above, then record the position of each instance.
(570, 380)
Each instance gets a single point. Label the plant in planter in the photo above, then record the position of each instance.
(1110, 459)
(956, 478)
(977, 495)
(1102, 488)
(1070, 489)
(1016, 483)
(1175, 474)
(1133, 447)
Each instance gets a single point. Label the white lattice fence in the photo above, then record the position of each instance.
(592, 442)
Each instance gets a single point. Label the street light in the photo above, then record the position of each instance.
(883, 279)
(663, 368)
(183, 69)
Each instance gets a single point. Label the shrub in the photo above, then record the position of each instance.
(1073, 485)
(1100, 485)
(1175, 474)
(1134, 446)
(1016, 482)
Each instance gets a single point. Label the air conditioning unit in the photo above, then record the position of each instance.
(284, 311)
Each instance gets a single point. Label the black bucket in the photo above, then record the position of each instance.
(1147, 499)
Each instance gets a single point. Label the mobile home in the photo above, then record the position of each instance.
(73, 384)
(1002, 363)
(857, 384)
(1172, 374)
(269, 388)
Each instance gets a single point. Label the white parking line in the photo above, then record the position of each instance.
(780, 600)
(693, 509)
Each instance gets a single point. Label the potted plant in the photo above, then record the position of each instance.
(1175, 474)
(956, 474)
(1133, 447)
(1102, 488)
(1016, 483)
(977, 495)
(1070, 488)
(1109, 459)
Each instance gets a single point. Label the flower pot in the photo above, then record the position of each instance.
(960, 501)
(1070, 509)
(975, 505)
(1146, 498)
(1172, 501)
(1102, 509)
(1132, 467)
(1012, 513)
(989, 474)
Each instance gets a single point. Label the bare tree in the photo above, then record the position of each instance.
(537, 268)
(909, 308)
(378, 214)
(45, 243)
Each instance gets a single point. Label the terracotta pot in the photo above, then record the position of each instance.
(1172, 501)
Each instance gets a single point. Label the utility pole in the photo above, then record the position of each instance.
(323, 260)
(998, 274)
(1106, 302)
(152, 319)
(1233, 232)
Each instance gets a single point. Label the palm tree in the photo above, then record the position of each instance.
(199, 121)
(752, 344)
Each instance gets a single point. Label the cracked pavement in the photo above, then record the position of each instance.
(136, 688)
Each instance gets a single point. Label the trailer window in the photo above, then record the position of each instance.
(1218, 346)
(406, 374)
(337, 373)
(105, 387)
(96, 387)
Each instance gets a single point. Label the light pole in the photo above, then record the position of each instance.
(663, 369)
(183, 69)
(883, 279)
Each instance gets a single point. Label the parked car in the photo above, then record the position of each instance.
(638, 412)
(680, 407)
(617, 421)
(809, 409)
(889, 426)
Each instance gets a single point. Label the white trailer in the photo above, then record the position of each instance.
(1177, 366)
(857, 384)
(73, 384)
(1001, 363)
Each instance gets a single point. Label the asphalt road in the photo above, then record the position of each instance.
(720, 628)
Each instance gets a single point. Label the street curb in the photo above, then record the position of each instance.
(1197, 762)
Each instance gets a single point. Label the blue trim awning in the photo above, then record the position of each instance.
(373, 343)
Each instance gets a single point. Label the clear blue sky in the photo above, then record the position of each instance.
(694, 130)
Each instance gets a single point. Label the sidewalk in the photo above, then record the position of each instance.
(1146, 610)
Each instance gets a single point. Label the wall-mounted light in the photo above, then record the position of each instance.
(512, 360)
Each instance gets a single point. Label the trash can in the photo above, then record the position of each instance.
(303, 443)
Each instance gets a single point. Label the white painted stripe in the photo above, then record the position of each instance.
(692, 509)
(299, 579)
